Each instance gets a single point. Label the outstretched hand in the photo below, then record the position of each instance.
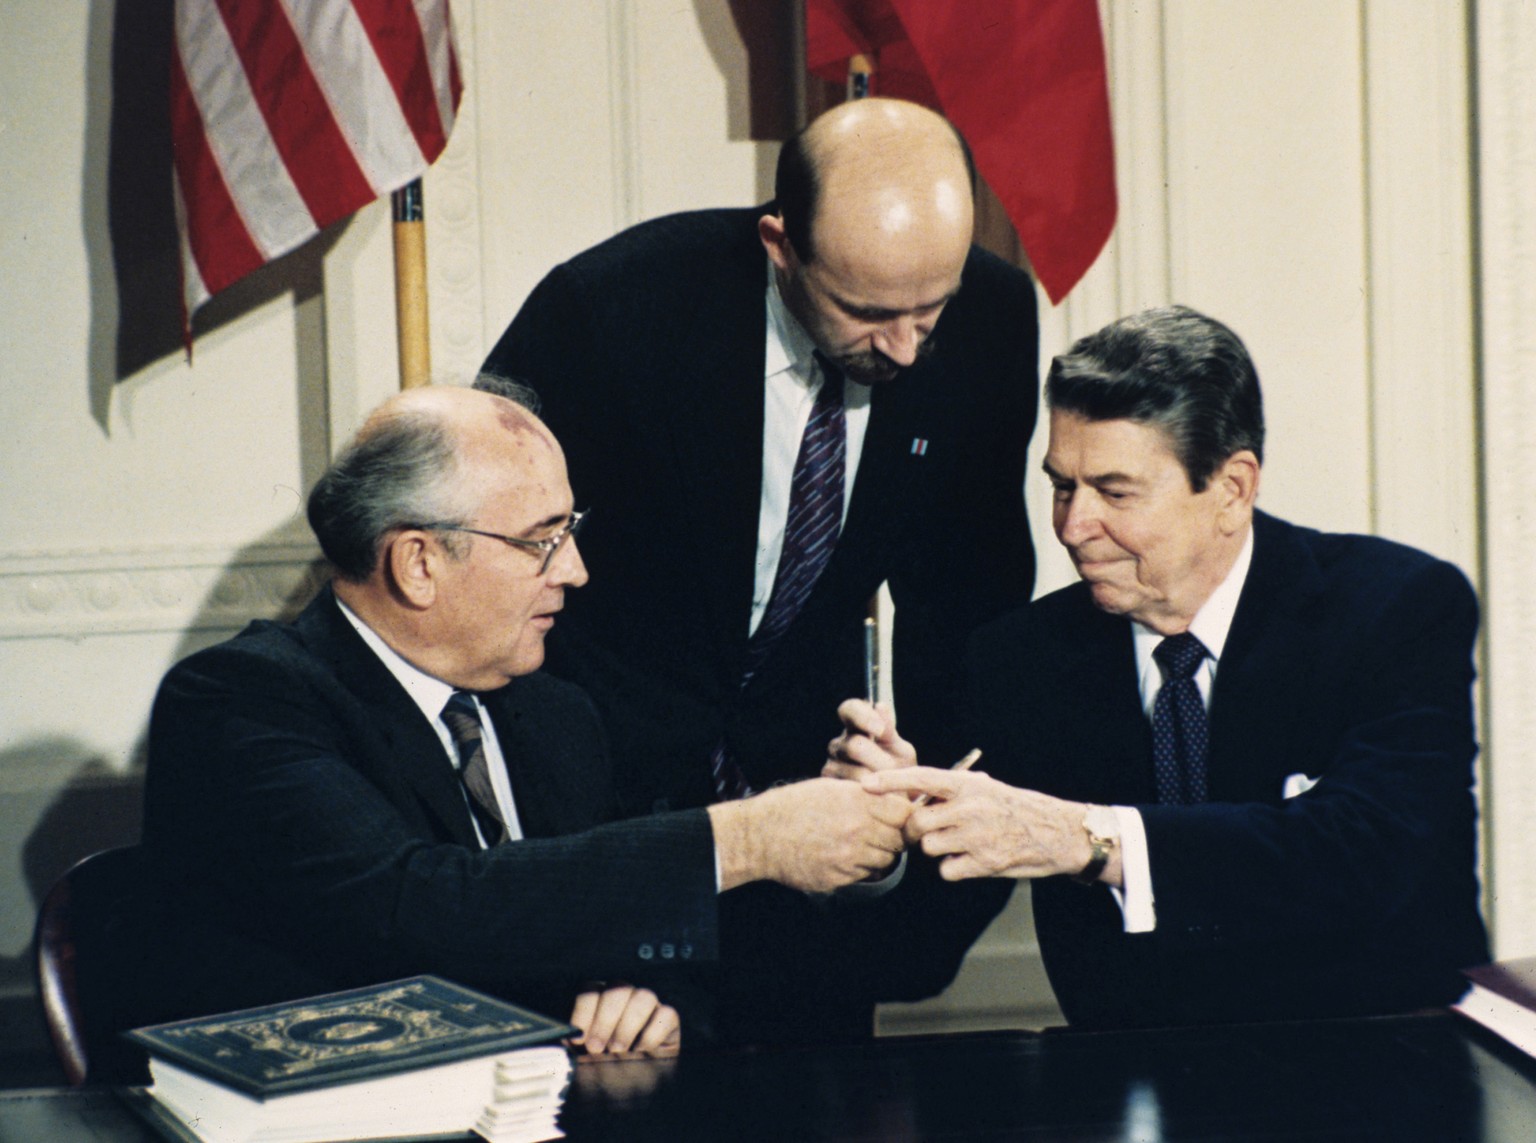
(817, 836)
(979, 827)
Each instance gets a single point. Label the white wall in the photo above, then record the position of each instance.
(1299, 168)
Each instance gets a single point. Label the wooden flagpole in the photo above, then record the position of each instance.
(410, 233)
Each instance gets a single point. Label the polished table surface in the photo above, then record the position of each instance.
(1431, 1077)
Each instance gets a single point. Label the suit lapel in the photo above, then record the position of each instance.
(887, 465)
(530, 770)
(1263, 659)
(410, 752)
(716, 423)
(1112, 738)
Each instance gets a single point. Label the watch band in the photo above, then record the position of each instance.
(1102, 848)
(1103, 843)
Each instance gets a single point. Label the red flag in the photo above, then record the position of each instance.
(286, 117)
(1024, 81)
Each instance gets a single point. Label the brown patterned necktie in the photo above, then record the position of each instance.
(462, 718)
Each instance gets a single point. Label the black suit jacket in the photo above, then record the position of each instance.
(648, 354)
(1350, 660)
(305, 819)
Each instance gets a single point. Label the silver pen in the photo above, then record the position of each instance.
(871, 661)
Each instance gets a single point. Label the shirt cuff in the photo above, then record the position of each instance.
(1137, 907)
(878, 886)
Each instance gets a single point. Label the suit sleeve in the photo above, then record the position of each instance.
(317, 844)
(1390, 822)
(972, 558)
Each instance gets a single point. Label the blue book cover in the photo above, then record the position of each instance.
(344, 1036)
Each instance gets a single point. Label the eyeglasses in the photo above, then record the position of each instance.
(545, 548)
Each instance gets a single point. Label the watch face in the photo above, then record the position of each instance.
(1100, 821)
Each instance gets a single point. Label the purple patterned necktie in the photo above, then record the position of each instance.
(463, 721)
(1179, 731)
(810, 533)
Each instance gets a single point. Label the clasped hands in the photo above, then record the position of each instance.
(974, 824)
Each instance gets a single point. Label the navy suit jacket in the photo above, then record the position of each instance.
(1350, 660)
(300, 808)
(648, 355)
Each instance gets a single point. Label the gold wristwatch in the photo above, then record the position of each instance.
(1103, 830)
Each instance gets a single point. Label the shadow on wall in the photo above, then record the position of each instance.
(760, 86)
(129, 209)
(100, 806)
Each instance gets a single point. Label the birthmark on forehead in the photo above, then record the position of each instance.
(516, 420)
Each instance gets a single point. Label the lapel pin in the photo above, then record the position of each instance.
(919, 446)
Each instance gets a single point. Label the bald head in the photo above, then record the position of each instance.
(885, 163)
(450, 524)
(425, 456)
(872, 231)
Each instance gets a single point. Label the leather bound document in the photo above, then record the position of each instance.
(415, 1058)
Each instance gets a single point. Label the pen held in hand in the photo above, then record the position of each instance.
(964, 764)
(871, 661)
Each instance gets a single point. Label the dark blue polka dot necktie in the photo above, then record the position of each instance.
(1180, 734)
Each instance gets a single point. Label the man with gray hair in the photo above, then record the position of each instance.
(389, 785)
(1235, 761)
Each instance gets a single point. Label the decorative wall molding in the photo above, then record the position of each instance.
(73, 595)
(1421, 357)
(1134, 271)
(1505, 64)
(623, 113)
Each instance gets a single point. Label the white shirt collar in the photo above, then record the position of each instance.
(789, 347)
(1213, 622)
(429, 693)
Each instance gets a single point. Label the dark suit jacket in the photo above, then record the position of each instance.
(298, 804)
(1349, 659)
(647, 352)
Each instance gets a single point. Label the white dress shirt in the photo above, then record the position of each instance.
(431, 695)
(1210, 625)
(792, 378)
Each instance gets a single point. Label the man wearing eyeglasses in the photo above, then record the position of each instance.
(389, 785)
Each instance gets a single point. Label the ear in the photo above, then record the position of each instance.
(410, 562)
(770, 231)
(1236, 484)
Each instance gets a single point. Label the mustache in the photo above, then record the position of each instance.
(867, 365)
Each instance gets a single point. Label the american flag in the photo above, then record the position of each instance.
(287, 115)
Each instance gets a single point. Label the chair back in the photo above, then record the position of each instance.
(75, 943)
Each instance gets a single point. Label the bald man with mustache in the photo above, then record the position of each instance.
(772, 412)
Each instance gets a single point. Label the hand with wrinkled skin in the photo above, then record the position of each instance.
(980, 827)
(869, 742)
(817, 836)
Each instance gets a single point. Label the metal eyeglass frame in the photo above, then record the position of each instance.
(546, 547)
